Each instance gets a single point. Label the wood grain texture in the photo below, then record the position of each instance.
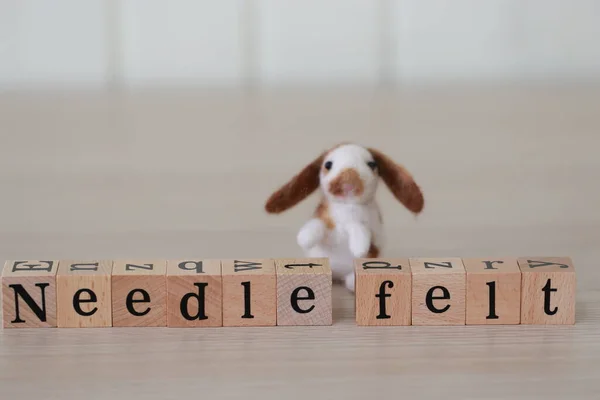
(24, 282)
(304, 291)
(139, 293)
(394, 276)
(548, 290)
(493, 291)
(249, 292)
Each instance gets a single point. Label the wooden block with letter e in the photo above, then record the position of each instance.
(249, 292)
(139, 293)
(304, 291)
(548, 289)
(383, 291)
(194, 293)
(29, 294)
(83, 294)
(493, 291)
(438, 294)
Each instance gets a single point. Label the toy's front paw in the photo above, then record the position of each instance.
(311, 234)
(359, 241)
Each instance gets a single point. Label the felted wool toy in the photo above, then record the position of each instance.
(347, 222)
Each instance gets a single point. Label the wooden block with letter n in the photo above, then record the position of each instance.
(29, 294)
(548, 289)
(139, 293)
(304, 291)
(249, 292)
(438, 294)
(194, 293)
(383, 292)
(83, 294)
(493, 291)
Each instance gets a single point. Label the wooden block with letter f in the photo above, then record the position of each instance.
(439, 291)
(547, 291)
(139, 293)
(383, 292)
(29, 294)
(304, 291)
(194, 293)
(249, 293)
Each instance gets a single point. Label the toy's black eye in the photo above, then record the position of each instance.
(372, 165)
(328, 165)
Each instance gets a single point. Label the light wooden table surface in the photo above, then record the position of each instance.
(505, 172)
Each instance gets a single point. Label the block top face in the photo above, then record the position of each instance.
(546, 264)
(491, 265)
(17, 268)
(247, 266)
(378, 266)
(302, 266)
(84, 267)
(449, 265)
(193, 267)
(139, 267)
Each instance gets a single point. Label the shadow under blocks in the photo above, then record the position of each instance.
(212, 293)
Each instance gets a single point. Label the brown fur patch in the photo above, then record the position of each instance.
(373, 251)
(348, 176)
(322, 212)
(399, 181)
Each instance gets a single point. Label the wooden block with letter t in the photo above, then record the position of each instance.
(383, 292)
(83, 294)
(194, 293)
(493, 291)
(304, 291)
(438, 294)
(29, 294)
(139, 293)
(548, 289)
(249, 292)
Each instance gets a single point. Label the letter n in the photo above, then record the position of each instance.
(39, 310)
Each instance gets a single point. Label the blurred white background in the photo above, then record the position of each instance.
(132, 43)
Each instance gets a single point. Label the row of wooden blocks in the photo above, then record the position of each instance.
(270, 292)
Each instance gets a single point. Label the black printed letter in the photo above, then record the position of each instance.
(379, 265)
(40, 312)
(129, 302)
(294, 299)
(247, 313)
(382, 295)
(490, 264)
(547, 289)
(245, 266)
(429, 299)
(197, 265)
(492, 302)
(77, 301)
(183, 307)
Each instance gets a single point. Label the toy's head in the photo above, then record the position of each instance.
(348, 173)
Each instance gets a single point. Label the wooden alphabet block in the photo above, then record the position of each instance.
(194, 293)
(493, 291)
(29, 294)
(547, 291)
(304, 291)
(438, 295)
(249, 292)
(139, 293)
(383, 292)
(83, 294)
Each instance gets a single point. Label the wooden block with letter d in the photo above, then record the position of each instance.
(194, 293)
(304, 291)
(548, 289)
(438, 294)
(29, 294)
(249, 292)
(493, 291)
(383, 292)
(139, 293)
(83, 294)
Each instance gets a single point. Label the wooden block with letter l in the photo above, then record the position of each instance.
(249, 292)
(304, 291)
(493, 291)
(139, 293)
(29, 294)
(438, 291)
(194, 293)
(548, 287)
(83, 294)
(383, 292)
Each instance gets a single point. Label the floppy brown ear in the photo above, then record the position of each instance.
(399, 181)
(297, 189)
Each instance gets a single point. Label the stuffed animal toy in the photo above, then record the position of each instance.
(347, 223)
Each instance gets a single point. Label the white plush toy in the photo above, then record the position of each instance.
(347, 223)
